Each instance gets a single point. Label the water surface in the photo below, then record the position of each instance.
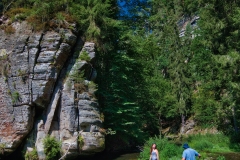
(228, 156)
(111, 156)
(129, 156)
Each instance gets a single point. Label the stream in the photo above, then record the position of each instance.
(129, 156)
(228, 156)
(113, 156)
(134, 156)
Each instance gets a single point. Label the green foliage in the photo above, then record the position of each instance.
(80, 142)
(110, 131)
(15, 96)
(204, 144)
(200, 70)
(147, 74)
(45, 9)
(52, 148)
(210, 142)
(4, 63)
(21, 72)
(18, 13)
(85, 56)
(166, 149)
(219, 39)
(94, 16)
(221, 158)
(2, 148)
(92, 87)
(78, 79)
(119, 88)
(204, 106)
(31, 155)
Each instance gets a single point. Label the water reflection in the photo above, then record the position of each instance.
(130, 156)
(134, 156)
(112, 156)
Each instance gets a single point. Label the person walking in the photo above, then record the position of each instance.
(189, 153)
(154, 152)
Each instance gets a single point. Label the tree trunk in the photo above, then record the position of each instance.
(182, 130)
(234, 119)
(160, 124)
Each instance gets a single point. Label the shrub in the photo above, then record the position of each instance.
(221, 158)
(36, 23)
(15, 11)
(69, 18)
(2, 148)
(15, 96)
(3, 55)
(202, 145)
(92, 87)
(84, 56)
(31, 155)
(170, 150)
(21, 12)
(207, 141)
(21, 72)
(9, 29)
(78, 78)
(80, 142)
(167, 150)
(51, 148)
(4, 62)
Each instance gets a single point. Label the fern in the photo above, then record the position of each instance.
(51, 148)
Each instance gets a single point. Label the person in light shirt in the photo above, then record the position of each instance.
(154, 152)
(189, 153)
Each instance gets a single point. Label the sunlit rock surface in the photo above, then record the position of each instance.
(37, 95)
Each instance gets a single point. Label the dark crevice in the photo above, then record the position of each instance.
(29, 74)
(77, 110)
(91, 72)
(39, 50)
(56, 116)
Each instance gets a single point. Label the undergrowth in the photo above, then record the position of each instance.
(52, 148)
(167, 150)
(204, 144)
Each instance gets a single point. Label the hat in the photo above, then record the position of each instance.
(185, 146)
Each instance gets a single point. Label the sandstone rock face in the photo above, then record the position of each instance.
(17, 113)
(182, 24)
(36, 72)
(79, 113)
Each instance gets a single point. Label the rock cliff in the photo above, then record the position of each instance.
(42, 91)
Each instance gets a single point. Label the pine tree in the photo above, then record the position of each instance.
(218, 22)
(176, 52)
(95, 17)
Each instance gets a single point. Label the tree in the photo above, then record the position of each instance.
(221, 38)
(175, 50)
(94, 17)
(118, 98)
